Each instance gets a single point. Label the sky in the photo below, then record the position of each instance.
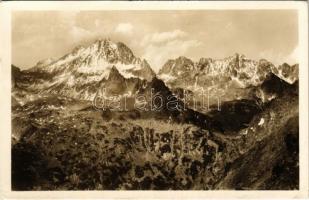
(158, 35)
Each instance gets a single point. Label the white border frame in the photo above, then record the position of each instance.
(6, 9)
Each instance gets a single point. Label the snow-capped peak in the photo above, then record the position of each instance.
(98, 57)
(81, 72)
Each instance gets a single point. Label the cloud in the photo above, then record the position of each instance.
(158, 53)
(97, 23)
(163, 37)
(229, 27)
(294, 56)
(161, 46)
(79, 33)
(124, 28)
(277, 58)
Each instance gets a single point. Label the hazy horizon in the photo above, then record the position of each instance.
(158, 35)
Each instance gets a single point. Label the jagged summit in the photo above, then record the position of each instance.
(86, 69)
(97, 58)
(173, 66)
(114, 74)
(237, 68)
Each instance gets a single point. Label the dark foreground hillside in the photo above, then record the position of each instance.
(63, 144)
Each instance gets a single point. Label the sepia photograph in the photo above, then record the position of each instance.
(155, 100)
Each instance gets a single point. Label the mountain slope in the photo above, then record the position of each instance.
(83, 72)
(60, 147)
(224, 79)
(99, 57)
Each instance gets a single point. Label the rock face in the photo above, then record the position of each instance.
(264, 167)
(15, 75)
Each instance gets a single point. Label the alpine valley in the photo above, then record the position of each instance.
(234, 125)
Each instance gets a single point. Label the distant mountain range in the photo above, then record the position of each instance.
(82, 73)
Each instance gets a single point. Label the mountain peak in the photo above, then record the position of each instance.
(274, 84)
(183, 60)
(176, 66)
(287, 72)
(97, 58)
(239, 55)
(114, 51)
(235, 68)
(114, 74)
